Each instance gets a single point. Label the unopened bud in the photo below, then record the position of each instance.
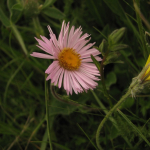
(118, 47)
(116, 36)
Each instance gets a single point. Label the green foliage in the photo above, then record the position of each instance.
(22, 95)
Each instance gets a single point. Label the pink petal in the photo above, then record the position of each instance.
(70, 35)
(65, 38)
(60, 78)
(40, 55)
(56, 77)
(75, 37)
(65, 80)
(76, 85)
(90, 70)
(90, 52)
(90, 60)
(51, 67)
(80, 80)
(54, 71)
(85, 78)
(80, 45)
(45, 46)
(60, 38)
(85, 48)
(88, 74)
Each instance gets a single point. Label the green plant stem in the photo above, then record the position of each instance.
(111, 118)
(47, 112)
(69, 101)
(107, 116)
(103, 81)
(37, 26)
(139, 21)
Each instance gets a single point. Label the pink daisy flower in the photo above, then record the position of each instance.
(72, 65)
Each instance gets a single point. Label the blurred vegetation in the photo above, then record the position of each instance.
(22, 95)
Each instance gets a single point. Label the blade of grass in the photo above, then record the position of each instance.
(23, 130)
(44, 141)
(47, 111)
(11, 78)
(87, 136)
(34, 132)
(139, 21)
(100, 33)
(134, 127)
(110, 118)
(19, 38)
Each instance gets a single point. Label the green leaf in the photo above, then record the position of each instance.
(119, 62)
(147, 37)
(103, 47)
(100, 32)
(118, 47)
(128, 103)
(17, 6)
(60, 147)
(115, 6)
(4, 19)
(10, 4)
(48, 3)
(110, 79)
(16, 12)
(112, 58)
(58, 107)
(11, 78)
(134, 127)
(93, 6)
(19, 38)
(96, 62)
(87, 137)
(53, 13)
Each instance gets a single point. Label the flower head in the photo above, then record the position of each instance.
(72, 65)
(147, 73)
(142, 81)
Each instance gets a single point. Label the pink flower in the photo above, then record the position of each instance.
(72, 65)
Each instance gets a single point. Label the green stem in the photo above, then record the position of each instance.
(111, 118)
(37, 27)
(47, 112)
(69, 101)
(107, 116)
(103, 81)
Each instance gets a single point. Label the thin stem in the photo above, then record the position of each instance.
(110, 118)
(47, 112)
(107, 116)
(37, 26)
(69, 101)
(103, 81)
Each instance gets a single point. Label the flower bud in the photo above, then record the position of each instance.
(116, 36)
(142, 81)
(118, 47)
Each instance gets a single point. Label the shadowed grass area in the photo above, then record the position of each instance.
(72, 123)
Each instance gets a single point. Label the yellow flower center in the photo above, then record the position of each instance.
(69, 59)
